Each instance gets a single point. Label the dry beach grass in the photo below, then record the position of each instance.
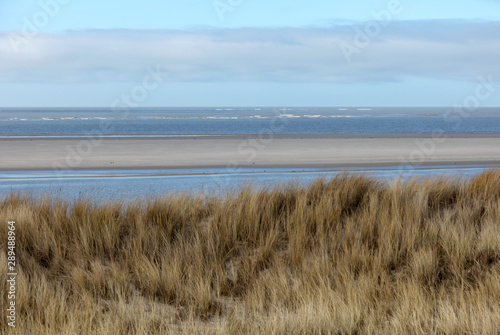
(351, 255)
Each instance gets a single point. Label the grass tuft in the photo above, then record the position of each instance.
(350, 255)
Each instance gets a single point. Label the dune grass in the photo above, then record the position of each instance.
(350, 255)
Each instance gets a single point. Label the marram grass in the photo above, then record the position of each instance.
(351, 255)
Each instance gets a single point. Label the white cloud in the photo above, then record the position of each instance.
(458, 50)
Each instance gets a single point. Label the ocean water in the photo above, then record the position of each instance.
(201, 121)
(102, 185)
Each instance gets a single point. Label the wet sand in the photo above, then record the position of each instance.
(249, 151)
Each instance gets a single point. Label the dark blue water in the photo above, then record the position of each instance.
(247, 120)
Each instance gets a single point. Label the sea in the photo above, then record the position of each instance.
(110, 185)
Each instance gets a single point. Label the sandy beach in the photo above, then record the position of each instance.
(247, 151)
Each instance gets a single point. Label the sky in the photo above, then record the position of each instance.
(147, 53)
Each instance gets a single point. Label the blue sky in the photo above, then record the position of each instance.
(249, 52)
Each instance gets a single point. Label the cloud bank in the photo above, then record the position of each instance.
(443, 49)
